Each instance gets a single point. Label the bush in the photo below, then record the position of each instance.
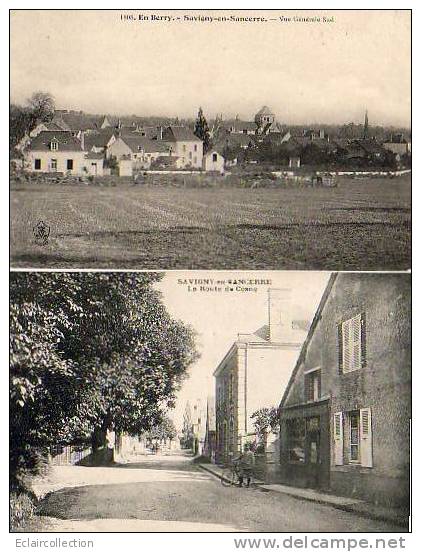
(22, 507)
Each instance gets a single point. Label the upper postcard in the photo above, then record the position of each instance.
(210, 139)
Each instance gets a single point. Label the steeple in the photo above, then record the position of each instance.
(365, 134)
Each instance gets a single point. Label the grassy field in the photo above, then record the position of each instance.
(361, 225)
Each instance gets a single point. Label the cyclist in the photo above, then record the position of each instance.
(244, 465)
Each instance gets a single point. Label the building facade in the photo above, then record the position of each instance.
(253, 375)
(345, 416)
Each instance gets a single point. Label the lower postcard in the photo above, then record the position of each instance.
(210, 401)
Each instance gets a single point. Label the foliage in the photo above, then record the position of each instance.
(266, 420)
(89, 352)
(164, 430)
(21, 509)
(201, 130)
(23, 119)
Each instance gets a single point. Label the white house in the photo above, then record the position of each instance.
(182, 143)
(141, 150)
(94, 163)
(213, 161)
(55, 151)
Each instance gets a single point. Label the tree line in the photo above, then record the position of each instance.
(89, 352)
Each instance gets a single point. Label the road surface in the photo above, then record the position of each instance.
(170, 493)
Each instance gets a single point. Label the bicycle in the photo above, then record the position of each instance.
(230, 475)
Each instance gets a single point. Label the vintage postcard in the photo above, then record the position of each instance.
(211, 139)
(210, 401)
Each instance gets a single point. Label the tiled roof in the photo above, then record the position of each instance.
(66, 142)
(93, 155)
(137, 143)
(98, 139)
(179, 134)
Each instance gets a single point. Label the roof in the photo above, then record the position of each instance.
(93, 155)
(81, 121)
(137, 143)
(309, 337)
(66, 141)
(179, 134)
(264, 111)
(98, 139)
(241, 125)
(233, 140)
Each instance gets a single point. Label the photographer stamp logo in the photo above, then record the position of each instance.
(41, 233)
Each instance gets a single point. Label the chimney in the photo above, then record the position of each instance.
(280, 317)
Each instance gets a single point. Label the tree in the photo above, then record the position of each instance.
(42, 106)
(163, 431)
(90, 352)
(201, 130)
(265, 420)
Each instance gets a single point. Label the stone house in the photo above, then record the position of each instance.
(345, 414)
(141, 150)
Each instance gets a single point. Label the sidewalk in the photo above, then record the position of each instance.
(347, 504)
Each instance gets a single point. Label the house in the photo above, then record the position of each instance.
(182, 143)
(209, 445)
(345, 414)
(55, 151)
(213, 161)
(94, 163)
(253, 374)
(141, 150)
(76, 121)
(100, 141)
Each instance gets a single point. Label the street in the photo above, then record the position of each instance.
(170, 493)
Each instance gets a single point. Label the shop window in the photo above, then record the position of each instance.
(296, 434)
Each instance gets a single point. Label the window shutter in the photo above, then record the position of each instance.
(366, 438)
(340, 349)
(338, 438)
(356, 342)
(363, 341)
(347, 345)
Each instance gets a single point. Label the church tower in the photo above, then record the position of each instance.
(365, 134)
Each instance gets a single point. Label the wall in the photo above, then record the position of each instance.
(384, 384)
(61, 156)
(185, 150)
(210, 165)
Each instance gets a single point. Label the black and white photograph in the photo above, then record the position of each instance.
(210, 401)
(211, 139)
(210, 279)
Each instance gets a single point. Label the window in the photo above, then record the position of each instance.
(53, 145)
(54, 164)
(70, 164)
(214, 157)
(351, 336)
(354, 436)
(37, 164)
(195, 147)
(312, 385)
(195, 160)
(296, 435)
(184, 147)
(190, 155)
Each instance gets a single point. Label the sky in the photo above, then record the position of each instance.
(218, 317)
(307, 72)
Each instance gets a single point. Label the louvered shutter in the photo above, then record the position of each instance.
(347, 346)
(366, 438)
(356, 342)
(363, 341)
(338, 438)
(340, 349)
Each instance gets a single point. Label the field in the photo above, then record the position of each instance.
(361, 225)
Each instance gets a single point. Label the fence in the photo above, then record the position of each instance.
(69, 455)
